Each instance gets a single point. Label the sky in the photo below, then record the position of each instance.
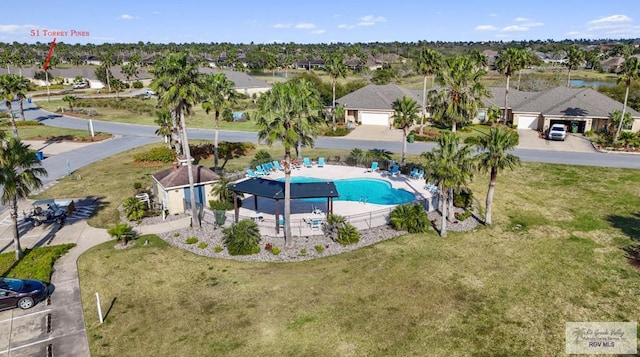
(327, 21)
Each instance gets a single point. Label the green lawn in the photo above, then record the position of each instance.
(42, 132)
(36, 263)
(553, 255)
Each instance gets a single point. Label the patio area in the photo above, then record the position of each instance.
(363, 215)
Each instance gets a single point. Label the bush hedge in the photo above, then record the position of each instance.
(157, 154)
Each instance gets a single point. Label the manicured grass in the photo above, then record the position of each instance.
(553, 255)
(198, 119)
(43, 132)
(37, 263)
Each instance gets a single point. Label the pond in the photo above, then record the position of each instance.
(595, 84)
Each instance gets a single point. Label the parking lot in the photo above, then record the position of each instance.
(54, 327)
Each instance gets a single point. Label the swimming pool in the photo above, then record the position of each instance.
(362, 190)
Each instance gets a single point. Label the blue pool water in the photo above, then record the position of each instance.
(368, 190)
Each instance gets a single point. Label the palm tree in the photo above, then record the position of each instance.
(630, 71)
(130, 70)
(510, 60)
(404, 117)
(165, 124)
(494, 156)
(178, 85)
(575, 57)
(71, 99)
(20, 172)
(21, 93)
(460, 98)
(614, 120)
(284, 116)
(493, 114)
(219, 95)
(429, 62)
(9, 85)
(106, 58)
(451, 167)
(334, 65)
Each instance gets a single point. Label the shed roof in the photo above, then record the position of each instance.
(179, 177)
(275, 189)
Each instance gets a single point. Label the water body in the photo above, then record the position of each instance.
(595, 84)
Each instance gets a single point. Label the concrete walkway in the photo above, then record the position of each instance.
(67, 335)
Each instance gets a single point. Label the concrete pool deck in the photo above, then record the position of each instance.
(363, 215)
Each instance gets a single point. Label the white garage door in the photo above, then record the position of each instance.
(374, 119)
(528, 122)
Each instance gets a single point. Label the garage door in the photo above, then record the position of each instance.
(528, 122)
(374, 119)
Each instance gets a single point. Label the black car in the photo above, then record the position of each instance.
(23, 293)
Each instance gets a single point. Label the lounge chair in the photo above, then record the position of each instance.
(395, 171)
(419, 175)
(261, 171)
(414, 172)
(281, 221)
(315, 224)
(277, 166)
(251, 173)
(269, 167)
(295, 164)
(306, 162)
(321, 162)
(374, 167)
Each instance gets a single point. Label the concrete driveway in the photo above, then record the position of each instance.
(529, 139)
(375, 133)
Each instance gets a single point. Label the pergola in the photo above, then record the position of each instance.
(275, 190)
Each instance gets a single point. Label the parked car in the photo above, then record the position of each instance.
(557, 132)
(80, 85)
(22, 293)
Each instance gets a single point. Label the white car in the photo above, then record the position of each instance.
(557, 132)
(79, 85)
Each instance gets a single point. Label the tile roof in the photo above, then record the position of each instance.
(379, 97)
(179, 177)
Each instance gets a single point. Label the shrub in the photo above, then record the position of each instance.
(348, 234)
(319, 249)
(428, 135)
(28, 123)
(268, 246)
(463, 198)
(275, 250)
(137, 85)
(260, 157)
(202, 245)
(462, 216)
(589, 133)
(191, 240)
(157, 154)
(303, 251)
(217, 205)
(410, 217)
(137, 186)
(242, 238)
(122, 232)
(340, 131)
(217, 249)
(134, 209)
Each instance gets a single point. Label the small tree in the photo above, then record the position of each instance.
(242, 238)
(71, 100)
(134, 209)
(122, 232)
(410, 217)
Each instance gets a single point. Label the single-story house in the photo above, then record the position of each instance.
(587, 108)
(171, 186)
(371, 105)
(243, 83)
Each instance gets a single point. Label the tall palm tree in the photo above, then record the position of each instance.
(20, 172)
(509, 60)
(10, 84)
(429, 62)
(629, 72)
(130, 70)
(461, 96)
(405, 114)
(178, 85)
(335, 66)
(282, 117)
(575, 57)
(106, 58)
(451, 167)
(21, 94)
(219, 95)
(494, 156)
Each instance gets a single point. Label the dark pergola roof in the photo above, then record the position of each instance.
(275, 189)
